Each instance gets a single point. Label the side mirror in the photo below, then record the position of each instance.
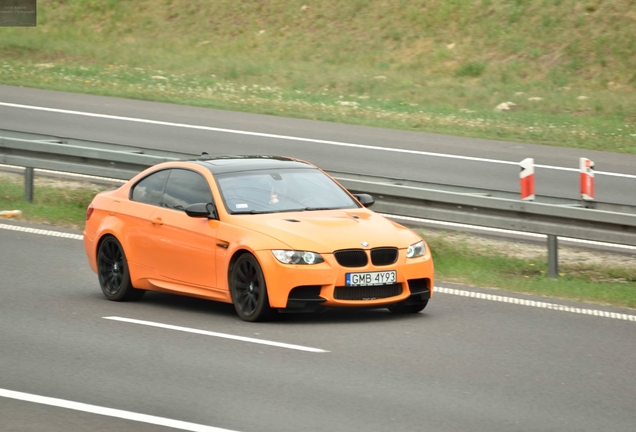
(365, 199)
(200, 210)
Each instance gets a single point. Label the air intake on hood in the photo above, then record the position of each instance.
(292, 220)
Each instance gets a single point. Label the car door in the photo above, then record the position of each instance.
(183, 246)
(145, 198)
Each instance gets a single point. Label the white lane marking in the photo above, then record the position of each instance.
(293, 138)
(536, 304)
(406, 218)
(41, 232)
(110, 412)
(219, 335)
(66, 174)
(437, 289)
(505, 231)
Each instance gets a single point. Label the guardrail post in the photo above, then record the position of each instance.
(553, 256)
(28, 184)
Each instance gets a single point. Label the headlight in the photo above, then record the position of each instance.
(416, 250)
(297, 257)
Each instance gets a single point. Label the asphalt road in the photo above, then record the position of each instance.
(432, 158)
(464, 364)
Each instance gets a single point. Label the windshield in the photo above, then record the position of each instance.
(283, 190)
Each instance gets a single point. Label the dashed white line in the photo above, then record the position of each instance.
(109, 412)
(41, 232)
(471, 294)
(536, 304)
(219, 335)
(294, 138)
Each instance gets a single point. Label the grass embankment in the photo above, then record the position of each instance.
(52, 204)
(584, 275)
(458, 257)
(437, 65)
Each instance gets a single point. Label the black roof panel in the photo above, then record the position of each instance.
(226, 164)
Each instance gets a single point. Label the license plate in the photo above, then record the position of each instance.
(371, 278)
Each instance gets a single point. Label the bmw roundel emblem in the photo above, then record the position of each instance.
(365, 244)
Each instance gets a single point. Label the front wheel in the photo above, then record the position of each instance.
(112, 271)
(248, 289)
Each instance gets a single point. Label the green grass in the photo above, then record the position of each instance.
(51, 205)
(463, 261)
(467, 263)
(436, 65)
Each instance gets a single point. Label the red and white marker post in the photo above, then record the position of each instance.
(527, 179)
(587, 179)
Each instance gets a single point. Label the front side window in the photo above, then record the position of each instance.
(272, 191)
(185, 188)
(150, 189)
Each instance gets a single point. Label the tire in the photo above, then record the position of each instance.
(113, 274)
(402, 308)
(248, 289)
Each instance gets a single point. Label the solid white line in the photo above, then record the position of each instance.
(536, 304)
(405, 218)
(219, 335)
(293, 138)
(66, 174)
(110, 412)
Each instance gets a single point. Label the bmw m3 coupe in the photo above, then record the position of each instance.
(264, 233)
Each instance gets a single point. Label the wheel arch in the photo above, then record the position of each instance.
(235, 256)
(102, 237)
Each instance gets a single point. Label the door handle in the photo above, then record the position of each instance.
(156, 221)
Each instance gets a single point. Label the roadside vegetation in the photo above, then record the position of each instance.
(462, 258)
(55, 202)
(584, 275)
(556, 72)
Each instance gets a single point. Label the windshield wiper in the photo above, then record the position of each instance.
(254, 212)
(320, 208)
(269, 211)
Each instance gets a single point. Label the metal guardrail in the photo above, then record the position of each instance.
(76, 156)
(468, 208)
(393, 196)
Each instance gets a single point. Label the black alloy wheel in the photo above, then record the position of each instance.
(112, 271)
(249, 292)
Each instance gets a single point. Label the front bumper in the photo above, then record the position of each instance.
(310, 287)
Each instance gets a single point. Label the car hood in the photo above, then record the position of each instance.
(328, 230)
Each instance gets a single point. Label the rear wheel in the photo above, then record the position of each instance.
(249, 292)
(112, 271)
(411, 308)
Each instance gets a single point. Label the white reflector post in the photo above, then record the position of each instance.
(527, 179)
(587, 179)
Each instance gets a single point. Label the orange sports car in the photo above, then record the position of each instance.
(265, 233)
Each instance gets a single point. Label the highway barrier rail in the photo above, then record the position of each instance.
(494, 209)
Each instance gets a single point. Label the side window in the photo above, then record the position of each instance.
(184, 188)
(150, 189)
